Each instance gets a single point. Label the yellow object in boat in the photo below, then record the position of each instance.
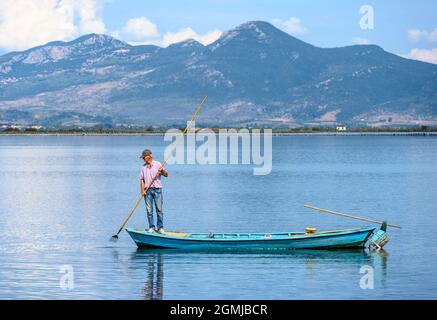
(309, 230)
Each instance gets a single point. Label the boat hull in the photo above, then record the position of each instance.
(342, 239)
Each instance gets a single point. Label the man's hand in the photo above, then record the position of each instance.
(163, 172)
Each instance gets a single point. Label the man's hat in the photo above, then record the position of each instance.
(146, 152)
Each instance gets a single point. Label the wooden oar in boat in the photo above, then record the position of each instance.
(115, 236)
(348, 216)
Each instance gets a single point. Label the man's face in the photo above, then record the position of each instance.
(148, 159)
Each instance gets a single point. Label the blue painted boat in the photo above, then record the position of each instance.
(335, 239)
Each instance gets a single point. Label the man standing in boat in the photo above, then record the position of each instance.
(150, 170)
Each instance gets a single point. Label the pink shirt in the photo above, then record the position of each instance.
(148, 172)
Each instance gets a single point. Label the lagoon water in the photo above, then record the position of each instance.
(62, 197)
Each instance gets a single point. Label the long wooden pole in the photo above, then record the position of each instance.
(348, 216)
(115, 237)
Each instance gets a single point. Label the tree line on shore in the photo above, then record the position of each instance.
(154, 130)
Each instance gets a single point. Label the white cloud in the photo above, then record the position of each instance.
(139, 29)
(188, 33)
(89, 20)
(181, 35)
(415, 34)
(419, 35)
(358, 40)
(426, 55)
(292, 26)
(28, 23)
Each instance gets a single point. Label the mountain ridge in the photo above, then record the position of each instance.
(254, 74)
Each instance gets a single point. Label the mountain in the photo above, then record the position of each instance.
(254, 75)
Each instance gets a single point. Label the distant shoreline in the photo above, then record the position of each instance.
(276, 134)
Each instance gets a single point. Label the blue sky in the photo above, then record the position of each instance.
(400, 26)
(329, 23)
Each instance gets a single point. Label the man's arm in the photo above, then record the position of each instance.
(142, 187)
(163, 172)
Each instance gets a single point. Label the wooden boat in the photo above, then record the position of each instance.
(334, 239)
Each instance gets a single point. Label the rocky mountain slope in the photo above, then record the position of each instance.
(254, 75)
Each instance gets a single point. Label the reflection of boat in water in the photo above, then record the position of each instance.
(151, 263)
(336, 239)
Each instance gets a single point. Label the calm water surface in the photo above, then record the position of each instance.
(62, 197)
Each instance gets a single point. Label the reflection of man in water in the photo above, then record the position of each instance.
(155, 274)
